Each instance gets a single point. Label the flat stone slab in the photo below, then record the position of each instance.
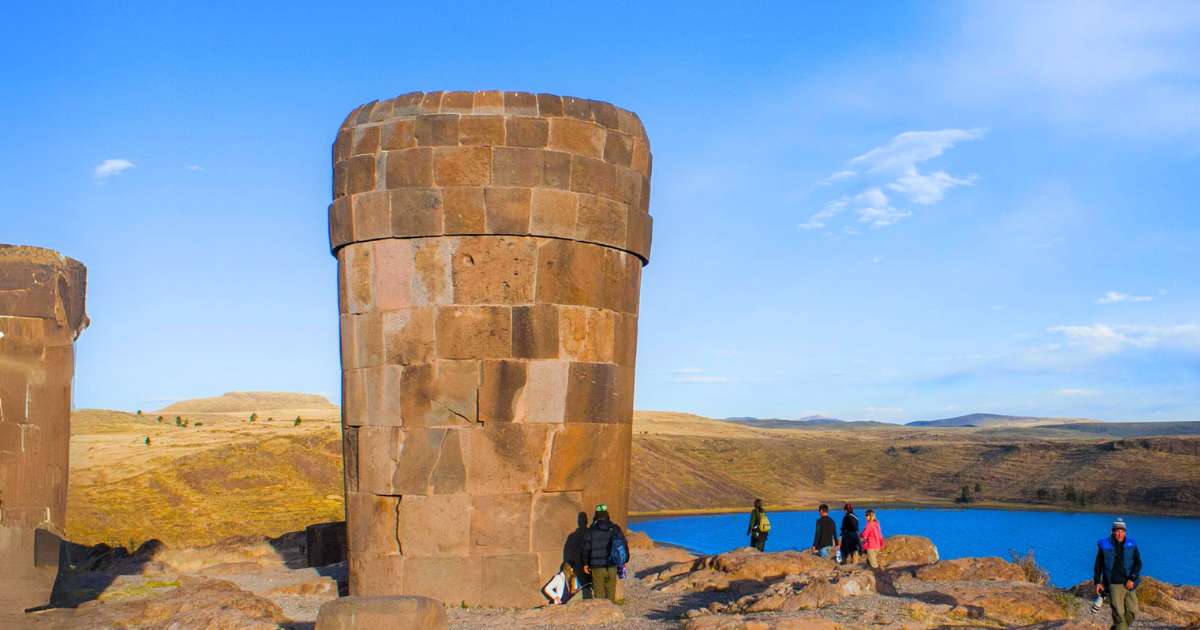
(366, 613)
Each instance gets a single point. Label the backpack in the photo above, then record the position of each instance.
(764, 523)
(618, 550)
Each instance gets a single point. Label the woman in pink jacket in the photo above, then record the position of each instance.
(872, 539)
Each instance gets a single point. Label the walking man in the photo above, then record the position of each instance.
(826, 534)
(602, 539)
(759, 527)
(1119, 569)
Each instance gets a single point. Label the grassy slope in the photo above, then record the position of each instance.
(796, 467)
(229, 477)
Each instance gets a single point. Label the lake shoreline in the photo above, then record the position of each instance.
(919, 503)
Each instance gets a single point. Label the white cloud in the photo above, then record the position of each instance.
(1105, 339)
(910, 148)
(687, 370)
(111, 167)
(193, 168)
(894, 166)
(1113, 297)
(822, 217)
(1077, 392)
(1102, 66)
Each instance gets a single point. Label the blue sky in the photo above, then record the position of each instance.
(900, 211)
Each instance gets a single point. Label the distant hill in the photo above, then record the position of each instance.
(1098, 430)
(807, 422)
(992, 420)
(246, 402)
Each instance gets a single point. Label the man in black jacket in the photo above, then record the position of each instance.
(826, 534)
(597, 546)
(1119, 569)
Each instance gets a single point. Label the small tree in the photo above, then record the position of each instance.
(297, 422)
(270, 418)
(147, 440)
(139, 412)
(253, 417)
(160, 418)
(199, 424)
(178, 421)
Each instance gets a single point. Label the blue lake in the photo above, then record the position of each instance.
(1063, 542)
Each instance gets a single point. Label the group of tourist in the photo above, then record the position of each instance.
(848, 547)
(596, 558)
(1116, 572)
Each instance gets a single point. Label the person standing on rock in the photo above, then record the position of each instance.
(826, 535)
(1119, 569)
(759, 527)
(849, 541)
(872, 539)
(602, 545)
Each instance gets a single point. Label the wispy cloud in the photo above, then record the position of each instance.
(110, 168)
(894, 167)
(1077, 392)
(1106, 339)
(193, 168)
(1114, 297)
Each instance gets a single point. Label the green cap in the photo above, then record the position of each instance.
(601, 507)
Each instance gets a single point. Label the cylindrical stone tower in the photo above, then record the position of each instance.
(41, 314)
(490, 248)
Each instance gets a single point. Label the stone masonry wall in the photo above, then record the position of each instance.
(41, 314)
(490, 248)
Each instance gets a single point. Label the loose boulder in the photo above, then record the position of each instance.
(907, 551)
(367, 613)
(639, 540)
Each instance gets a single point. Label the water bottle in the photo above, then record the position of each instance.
(838, 556)
(1097, 603)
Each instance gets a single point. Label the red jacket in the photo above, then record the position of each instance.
(872, 536)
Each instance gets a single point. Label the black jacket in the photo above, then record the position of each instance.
(826, 532)
(850, 525)
(598, 542)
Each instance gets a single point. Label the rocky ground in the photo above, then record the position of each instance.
(264, 583)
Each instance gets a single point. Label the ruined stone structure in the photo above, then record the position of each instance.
(41, 314)
(490, 248)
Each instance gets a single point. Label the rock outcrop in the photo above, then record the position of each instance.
(742, 566)
(41, 314)
(490, 248)
(990, 568)
(184, 603)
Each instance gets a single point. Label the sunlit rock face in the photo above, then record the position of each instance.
(41, 314)
(490, 248)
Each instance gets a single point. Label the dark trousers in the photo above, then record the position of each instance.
(758, 540)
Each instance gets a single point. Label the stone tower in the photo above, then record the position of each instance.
(41, 314)
(490, 248)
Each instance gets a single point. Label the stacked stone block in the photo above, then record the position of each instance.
(41, 314)
(490, 247)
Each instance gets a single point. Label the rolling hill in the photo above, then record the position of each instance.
(219, 475)
(988, 420)
(249, 402)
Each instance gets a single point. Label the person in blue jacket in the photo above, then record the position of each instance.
(1119, 569)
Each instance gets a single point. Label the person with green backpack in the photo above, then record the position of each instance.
(760, 526)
